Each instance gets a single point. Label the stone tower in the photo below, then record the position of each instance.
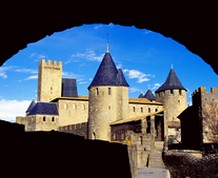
(173, 96)
(108, 99)
(49, 80)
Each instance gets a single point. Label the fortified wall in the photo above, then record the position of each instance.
(206, 104)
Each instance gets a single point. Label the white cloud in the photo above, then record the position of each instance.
(135, 74)
(156, 86)
(37, 56)
(134, 89)
(11, 108)
(31, 71)
(88, 55)
(3, 74)
(33, 77)
(71, 75)
(3, 71)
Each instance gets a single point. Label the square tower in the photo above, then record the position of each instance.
(49, 80)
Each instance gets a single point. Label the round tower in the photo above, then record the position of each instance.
(173, 96)
(108, 99)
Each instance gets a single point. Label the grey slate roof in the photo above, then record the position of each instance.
(108, 74)
(32, 104)
(172, 82)
(47, 108)
(69, 87)
(141, 95)
(149, 95)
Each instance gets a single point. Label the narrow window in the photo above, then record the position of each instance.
(180, 92)
(141, 109)
(52, 119)
(97, 92)
(156, 109)
(141, 140)
(133, 109)
(109, 91)
(44, 118)
(149, 110)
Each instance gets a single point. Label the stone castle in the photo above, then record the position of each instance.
(107, 107)
(107, 113)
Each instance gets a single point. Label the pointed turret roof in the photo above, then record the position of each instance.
(141, 95)
(172, 82)
(149, 95)
(108, 74)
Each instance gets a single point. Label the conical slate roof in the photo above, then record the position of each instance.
(149, 95)
(172, 82)
(141, 95)
(108, 74)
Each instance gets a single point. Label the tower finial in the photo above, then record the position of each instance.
(107, 49)
(171, 66)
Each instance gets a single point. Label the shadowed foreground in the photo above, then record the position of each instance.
(183, 165)
(49, 154)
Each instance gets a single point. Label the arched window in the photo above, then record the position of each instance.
(44, 118)
(149, 110)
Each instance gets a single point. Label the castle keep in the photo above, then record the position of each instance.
(107, 113)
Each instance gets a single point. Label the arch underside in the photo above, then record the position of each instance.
(192, 24)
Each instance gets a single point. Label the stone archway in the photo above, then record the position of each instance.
(189, 23)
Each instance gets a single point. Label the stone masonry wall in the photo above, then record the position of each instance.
(77, 129)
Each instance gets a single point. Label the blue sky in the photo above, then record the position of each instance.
(145, 57)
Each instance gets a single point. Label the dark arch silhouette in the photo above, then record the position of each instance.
(191, 23)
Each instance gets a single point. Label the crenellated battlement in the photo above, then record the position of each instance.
(50, 63)
(202, 90)
(199, 90)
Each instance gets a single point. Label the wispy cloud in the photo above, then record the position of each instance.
(32, 77)
(37, 56)
(134, 90)
(71, 75)
(135, 74)
(89, 55)
(3, 74)
(11, 108)
(30, 71)
(3, 71)
(155, 86)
